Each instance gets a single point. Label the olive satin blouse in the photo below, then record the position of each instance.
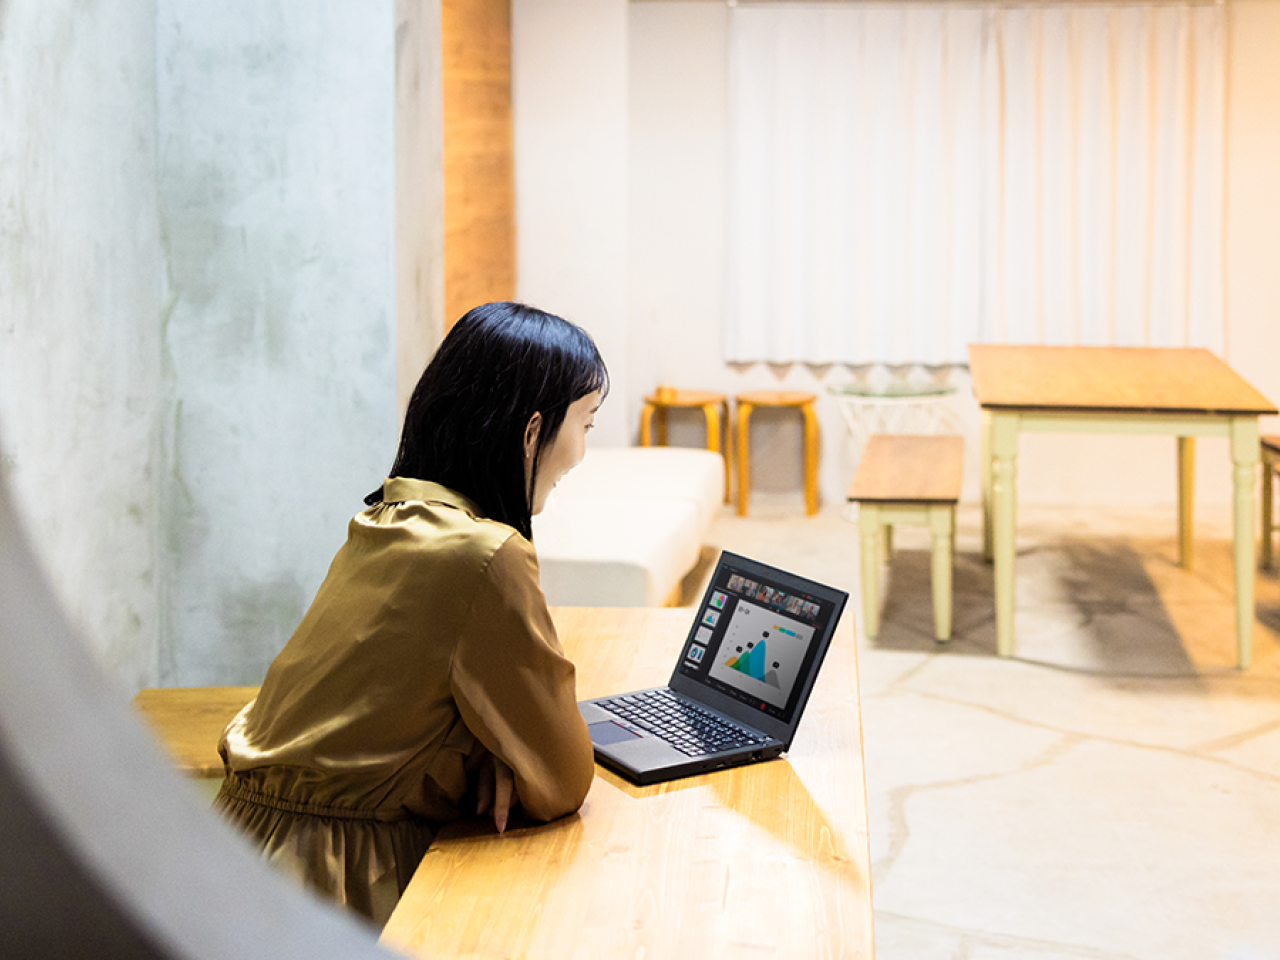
(428, 644)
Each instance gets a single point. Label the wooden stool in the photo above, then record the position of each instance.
(747, 402)
(713, 405)
(1270, 465)
(908, 479)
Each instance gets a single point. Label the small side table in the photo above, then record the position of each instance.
(804, 402)
(894, 407)
(715, 409)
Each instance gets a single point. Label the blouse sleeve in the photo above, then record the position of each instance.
(515, 688)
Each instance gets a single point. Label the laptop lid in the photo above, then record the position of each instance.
(756, 644)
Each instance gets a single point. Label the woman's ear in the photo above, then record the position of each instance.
(531, 432)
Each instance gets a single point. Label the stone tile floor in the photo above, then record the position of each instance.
(1112, 791)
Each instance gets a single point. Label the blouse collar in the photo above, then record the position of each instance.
(402, 489)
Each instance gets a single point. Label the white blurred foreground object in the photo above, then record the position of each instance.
(107, 853)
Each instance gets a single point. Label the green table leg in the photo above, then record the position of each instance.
(869, 531)
(1186, 498)
(1004, 465)
(942, 527)
(1244, 456)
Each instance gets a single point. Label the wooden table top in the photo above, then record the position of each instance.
(766, 860)
(1110, 379)
(189, 722)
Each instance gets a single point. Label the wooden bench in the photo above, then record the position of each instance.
(1270, 465)
(188, 721)
(908, 479)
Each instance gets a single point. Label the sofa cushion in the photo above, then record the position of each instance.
(643, 473)
(616, 553)
(626, 525)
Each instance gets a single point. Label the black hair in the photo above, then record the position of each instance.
(465, 425)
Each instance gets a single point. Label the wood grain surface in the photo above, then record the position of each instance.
(189, 722)
(1105, 379)
(770, 860)
(479, 165)
(684, 398)
(776, 398)
(903, 468)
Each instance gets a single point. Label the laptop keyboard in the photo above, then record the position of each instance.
(690, 729)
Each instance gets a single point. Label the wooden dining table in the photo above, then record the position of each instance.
(766, 860)
(1180, 392)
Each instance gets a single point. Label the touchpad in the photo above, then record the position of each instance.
(607, 732)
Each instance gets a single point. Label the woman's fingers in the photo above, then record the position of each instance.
(504, 788)
(495, 790)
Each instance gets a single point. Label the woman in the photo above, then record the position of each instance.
(426, 679)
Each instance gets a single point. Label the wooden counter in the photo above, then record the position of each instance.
(189, 722)
(769, 860)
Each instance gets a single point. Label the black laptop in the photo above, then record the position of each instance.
(739, 686)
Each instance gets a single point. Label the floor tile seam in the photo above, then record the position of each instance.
(1181, 752)
(906, 675)
(898, 797)
(1239, 739)
(951, 652)
(1226, 673)
(1005, 941)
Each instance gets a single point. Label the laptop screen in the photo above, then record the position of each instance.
(757, 634)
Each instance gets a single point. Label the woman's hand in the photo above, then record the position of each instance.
(495, 790)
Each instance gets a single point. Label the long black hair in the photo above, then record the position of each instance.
(465, 425)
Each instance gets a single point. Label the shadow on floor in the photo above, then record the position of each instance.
(1085, 605)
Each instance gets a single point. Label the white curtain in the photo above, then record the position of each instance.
(906, 179)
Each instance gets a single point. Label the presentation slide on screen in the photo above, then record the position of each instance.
(761, 653)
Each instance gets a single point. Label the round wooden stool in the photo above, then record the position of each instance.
(746, 403)
(654, 412)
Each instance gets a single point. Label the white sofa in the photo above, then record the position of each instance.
(626, 525)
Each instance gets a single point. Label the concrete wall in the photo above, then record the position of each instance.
(276, 178)
(198, 304)
(419, 214)
(80, 301)
(675, 103)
